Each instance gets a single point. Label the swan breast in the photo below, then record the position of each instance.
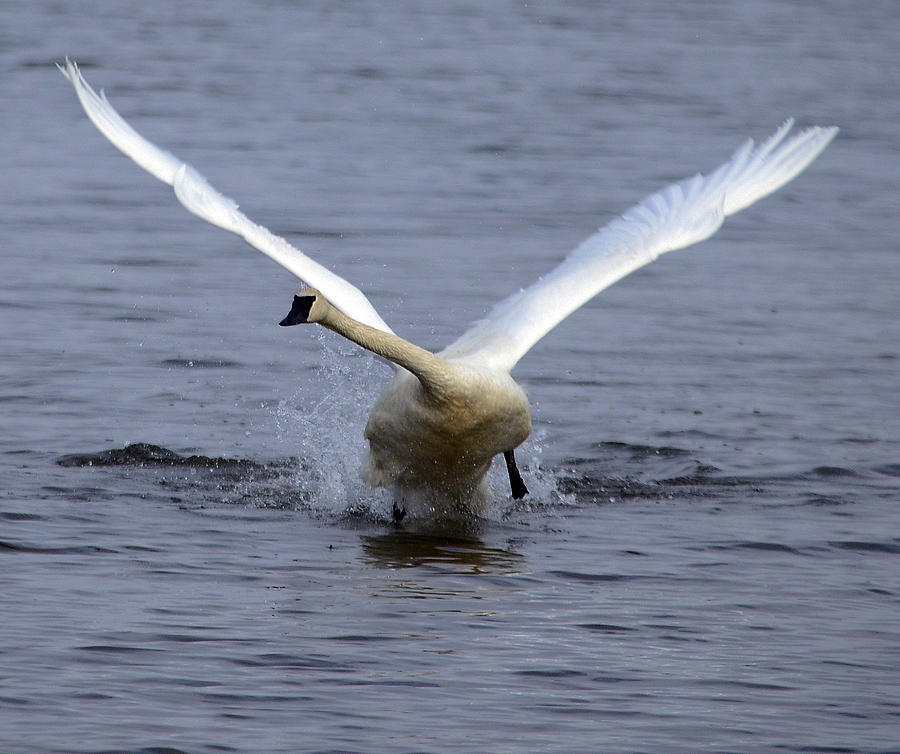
(445, 437)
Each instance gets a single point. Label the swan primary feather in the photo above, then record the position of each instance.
(436, 428)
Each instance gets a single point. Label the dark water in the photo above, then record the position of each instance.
(710, 560)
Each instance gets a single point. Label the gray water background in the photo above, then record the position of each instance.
(710, 560)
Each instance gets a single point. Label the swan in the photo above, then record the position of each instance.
(435, 430)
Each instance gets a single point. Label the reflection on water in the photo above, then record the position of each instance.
(403, 549)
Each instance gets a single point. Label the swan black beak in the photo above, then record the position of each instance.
(299, 313)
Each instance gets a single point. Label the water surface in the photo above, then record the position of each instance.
(709, 558)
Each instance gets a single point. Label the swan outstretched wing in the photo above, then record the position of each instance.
(203, 200)
(685, 213)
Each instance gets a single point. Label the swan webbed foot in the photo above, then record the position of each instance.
(398, 512)
(519, 490)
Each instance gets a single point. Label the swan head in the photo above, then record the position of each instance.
(309, 306)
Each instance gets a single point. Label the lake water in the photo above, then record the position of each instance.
(710, 559)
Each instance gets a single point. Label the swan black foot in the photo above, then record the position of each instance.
(519, 490)
(398, 513)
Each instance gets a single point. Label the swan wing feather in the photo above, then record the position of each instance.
(680, 215)
(200, 198)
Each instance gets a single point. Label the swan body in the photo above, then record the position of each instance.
(434, 451)
(436, 428)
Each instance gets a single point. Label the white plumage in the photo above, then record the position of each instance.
(435, 429)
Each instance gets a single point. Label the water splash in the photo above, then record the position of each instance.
(322, 423)
(543, 489)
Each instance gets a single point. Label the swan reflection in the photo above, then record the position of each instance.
(403, 549)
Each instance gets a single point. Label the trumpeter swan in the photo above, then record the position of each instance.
(435, 430)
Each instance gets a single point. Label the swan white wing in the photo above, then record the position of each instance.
(683, 214)
(203, 200)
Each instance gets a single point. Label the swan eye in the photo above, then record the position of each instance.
(299, 313)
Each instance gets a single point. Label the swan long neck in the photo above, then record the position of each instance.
(430, 369)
